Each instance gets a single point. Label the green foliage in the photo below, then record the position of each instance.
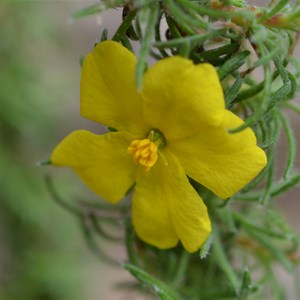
(162, 290)
(249, 236)
(35, 259)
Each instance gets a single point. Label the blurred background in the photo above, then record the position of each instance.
(43, 255)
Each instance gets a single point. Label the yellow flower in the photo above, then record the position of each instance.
(176, 126)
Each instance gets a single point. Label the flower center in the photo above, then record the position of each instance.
(145, 152)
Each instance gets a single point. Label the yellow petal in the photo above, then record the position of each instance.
(219, 160)
(101, 161)
(178, 96)
(108, 91)
(167, 208)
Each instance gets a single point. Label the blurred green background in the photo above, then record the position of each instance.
(36, 261)
(42, 253)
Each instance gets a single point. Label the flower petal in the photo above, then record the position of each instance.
(219, 160)
(108, 92)
(167, 208)
(101, 161)
(178, 96)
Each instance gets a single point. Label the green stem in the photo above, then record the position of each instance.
(182, 268)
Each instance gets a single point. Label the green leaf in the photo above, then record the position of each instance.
(96, 8)
(172, 27)
(96, 225)
(87, 11)
(232, 64)
(193, 39)
(218, 55)
(280, 5)
(151, 15)
(277, 189)
(158, 35)
(246, 287)
(81, 59)
(129, 242)
(265, 106)
(44, 162)
(91, 240)
(161, 289)
(56, 197)
(225, 265)
(243, 95)
(186, 17)
(126, 43)
(264, 198)
(104, 35)
(111, 129)
(292, 106)
(285, 185)
(250, 225)
(291, 146)
(121, 31)
(277, 253)
(205, 249)
(215, 13)
(232, 92)
(181, 270)
(185, 50)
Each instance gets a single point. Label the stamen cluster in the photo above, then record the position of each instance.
(144, 152)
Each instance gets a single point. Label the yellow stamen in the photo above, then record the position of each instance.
(144, 153)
